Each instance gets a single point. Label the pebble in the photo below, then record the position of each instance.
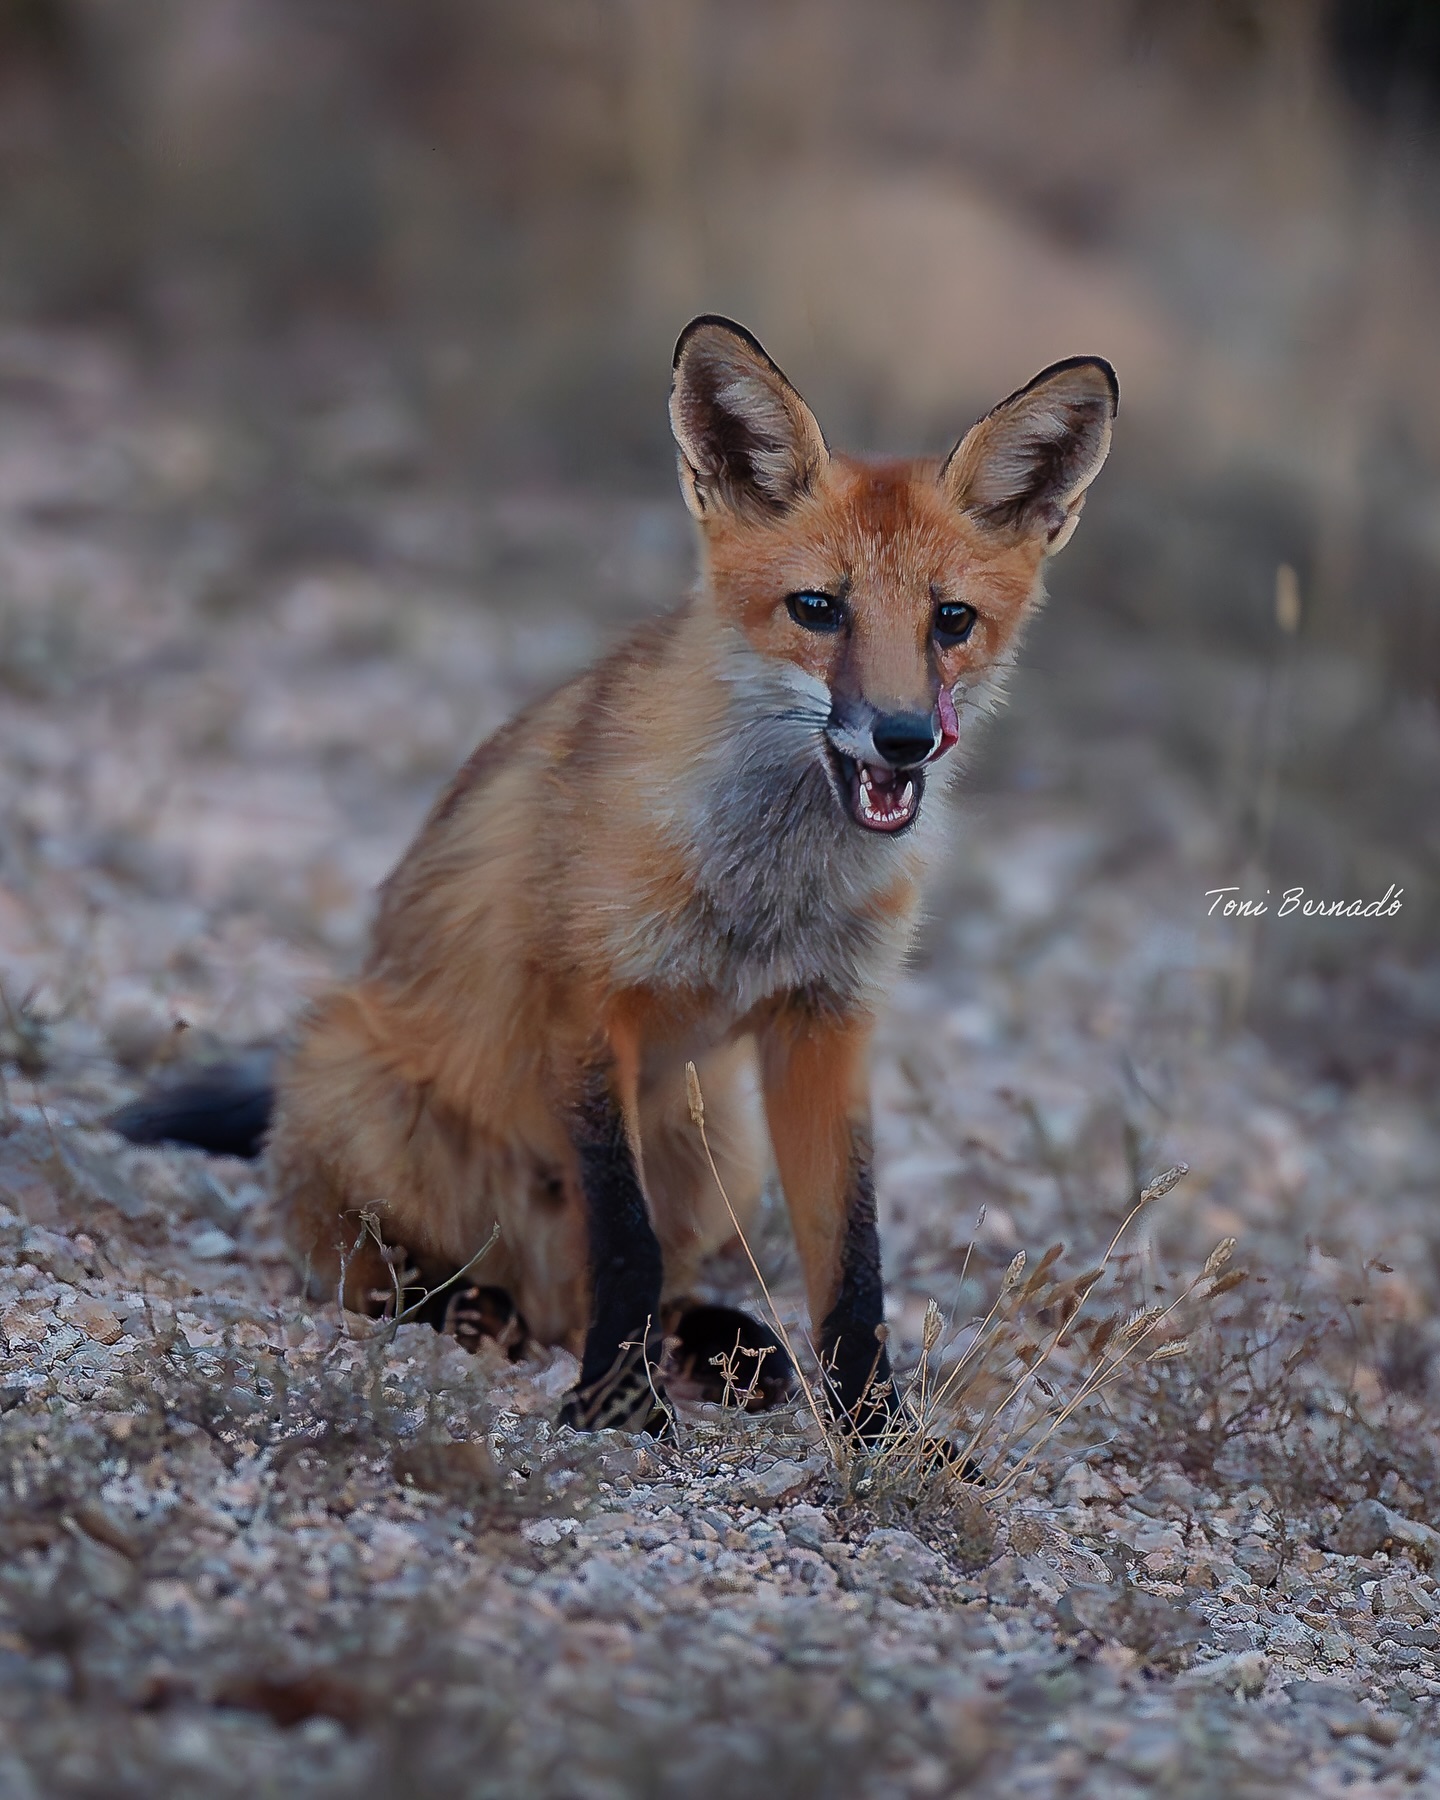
(775, 1483)
(897, 1563)
(1362, 1531)
(1083, 1483)
(212, 1245)
(547, 1532)
(97, 1321)
(1169, 1496)
(1258, 1559)
(808, 1526)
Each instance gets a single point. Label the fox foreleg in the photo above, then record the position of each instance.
(814, 1076)
(852, 1334)
(619, 1383)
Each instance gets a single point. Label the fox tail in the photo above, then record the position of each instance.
(223, 1107)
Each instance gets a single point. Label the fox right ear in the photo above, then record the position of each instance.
(1025, 467)
(748, 443)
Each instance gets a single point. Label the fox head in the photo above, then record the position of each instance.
(885, 598)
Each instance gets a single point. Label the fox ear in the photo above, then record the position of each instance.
(1025, 467)
(748, 443)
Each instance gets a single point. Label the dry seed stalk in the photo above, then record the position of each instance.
(1155, 1190)
(1105, 1374)
(970, 1247)
(1218, 1257)
(1139, 1323)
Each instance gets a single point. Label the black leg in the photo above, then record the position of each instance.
(852, 1337)
(619, 1380)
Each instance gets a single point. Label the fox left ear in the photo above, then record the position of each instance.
(1025, 467)
(748, 443)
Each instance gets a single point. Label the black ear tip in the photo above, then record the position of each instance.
(717, 322)
(1071, 365)
(1112, 381)
(1105, 370)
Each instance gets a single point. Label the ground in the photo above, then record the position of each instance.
(252, 1546)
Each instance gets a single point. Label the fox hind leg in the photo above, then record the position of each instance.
(356, 1139)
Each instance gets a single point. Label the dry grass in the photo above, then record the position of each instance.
(985, 1401)
(1280, 1392)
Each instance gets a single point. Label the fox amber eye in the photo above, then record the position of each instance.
(816, 612)
(954, 621)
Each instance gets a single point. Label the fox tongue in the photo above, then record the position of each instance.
(949, 723)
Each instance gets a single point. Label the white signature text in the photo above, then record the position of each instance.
(1225, 903)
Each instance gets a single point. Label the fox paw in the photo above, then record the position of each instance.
(722, 1355)
(628, 1397)
(470, 1314)
(896, 1437)
(473, 1314)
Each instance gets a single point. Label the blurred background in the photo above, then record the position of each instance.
(513, 205)
(332, 377)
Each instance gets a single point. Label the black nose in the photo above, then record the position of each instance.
(904, 739)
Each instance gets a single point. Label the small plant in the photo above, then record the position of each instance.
(1283, 1391)
(985, 1401)
(741, 1370)
(1033, 1361)
(397, 1311)
(24, 1035)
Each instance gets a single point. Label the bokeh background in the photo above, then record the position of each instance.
(332, 382)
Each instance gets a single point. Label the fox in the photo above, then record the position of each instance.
(707, 849)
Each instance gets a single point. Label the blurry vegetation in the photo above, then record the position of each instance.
(1274, 1393)
(525, 201)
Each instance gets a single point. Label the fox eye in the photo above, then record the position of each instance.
(816, 612)
(954, 621)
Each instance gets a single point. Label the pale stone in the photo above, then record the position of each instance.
(97, 1321)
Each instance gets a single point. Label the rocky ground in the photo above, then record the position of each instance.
(250, 1546)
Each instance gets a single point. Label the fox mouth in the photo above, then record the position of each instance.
(877, 797)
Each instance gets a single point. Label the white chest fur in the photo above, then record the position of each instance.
(785, 889)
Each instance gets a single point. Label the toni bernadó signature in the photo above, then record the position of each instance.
(1226, 903)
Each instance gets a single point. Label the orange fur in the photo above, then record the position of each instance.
(610, 884)
(815, 1098)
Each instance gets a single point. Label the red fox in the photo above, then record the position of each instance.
(707, 847)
